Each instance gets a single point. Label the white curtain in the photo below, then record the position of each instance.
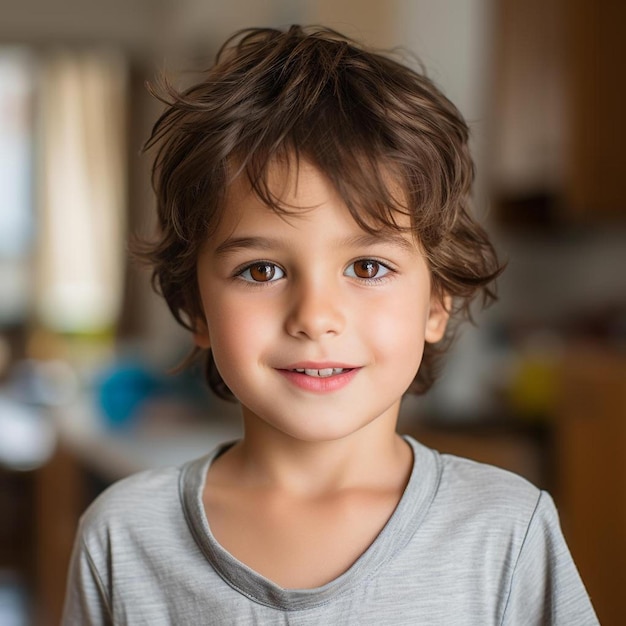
(82, 191)
(16, 219)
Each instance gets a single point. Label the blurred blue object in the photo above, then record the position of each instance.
(123, 389)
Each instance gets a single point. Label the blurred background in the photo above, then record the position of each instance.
(538, 387)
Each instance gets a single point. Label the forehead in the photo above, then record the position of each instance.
(294, 189)
(307, 215)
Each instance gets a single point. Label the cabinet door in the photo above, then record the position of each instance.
(60, 502)
(595, 44)
(559, 127)
(591, 447)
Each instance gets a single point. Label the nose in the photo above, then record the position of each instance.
(314, 311)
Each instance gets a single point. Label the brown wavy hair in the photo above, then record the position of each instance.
(365, 120)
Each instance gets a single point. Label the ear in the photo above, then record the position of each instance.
(201, 334)
(437, 318)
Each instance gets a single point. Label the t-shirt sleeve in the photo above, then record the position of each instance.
(86, 598)
(546, 587)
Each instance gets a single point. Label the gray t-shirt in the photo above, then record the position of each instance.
(467, 544)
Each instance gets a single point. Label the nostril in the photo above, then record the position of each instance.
(313, 324)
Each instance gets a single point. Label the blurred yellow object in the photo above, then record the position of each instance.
(534, 386)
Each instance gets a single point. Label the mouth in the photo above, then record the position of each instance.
(330, 377)
(325, 372)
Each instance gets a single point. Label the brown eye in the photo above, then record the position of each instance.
(367, 268)
(262, 272)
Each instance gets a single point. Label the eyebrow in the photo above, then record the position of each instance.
(383, 237)
(243, 243)
(365, 239)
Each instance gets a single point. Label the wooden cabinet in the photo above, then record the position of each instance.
(591, 455)
(60, 500)
(558, 125)
(595, 45)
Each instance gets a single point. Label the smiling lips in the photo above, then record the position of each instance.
(320, 379)
(321, 373)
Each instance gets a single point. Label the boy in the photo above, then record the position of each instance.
(315, 239)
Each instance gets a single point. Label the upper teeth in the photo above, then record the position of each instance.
(323, 373)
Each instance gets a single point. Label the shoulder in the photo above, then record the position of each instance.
(486, 497)
(509, 532)
(143, 500)
(462, 477)
(119, 533)
(473, 504)
(145, 489)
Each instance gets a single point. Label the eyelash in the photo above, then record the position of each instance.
(239, 273)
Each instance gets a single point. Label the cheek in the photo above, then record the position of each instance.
(399, 328)
(238, 331)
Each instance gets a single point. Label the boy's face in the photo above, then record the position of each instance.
(312, 291)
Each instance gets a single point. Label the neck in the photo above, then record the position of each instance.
(373, 457)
